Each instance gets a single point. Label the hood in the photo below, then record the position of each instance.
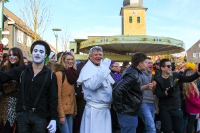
(57, 67)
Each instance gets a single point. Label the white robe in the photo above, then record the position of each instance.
(96, 84)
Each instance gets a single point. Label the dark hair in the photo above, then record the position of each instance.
(43, 43)
(16, 52)
(125, 63)
(186, 70)
(138, 57)
(162, 62)
(173, 66)
(81, 65)
(59, 55)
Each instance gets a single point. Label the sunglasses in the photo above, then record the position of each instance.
(169, 66)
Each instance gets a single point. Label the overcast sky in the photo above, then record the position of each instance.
(179, 19)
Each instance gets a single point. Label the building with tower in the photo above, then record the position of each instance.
(133, 18)
(133, 38)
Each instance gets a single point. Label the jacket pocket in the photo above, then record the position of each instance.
(67, 102)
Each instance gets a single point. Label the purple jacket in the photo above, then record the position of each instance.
(193, 102)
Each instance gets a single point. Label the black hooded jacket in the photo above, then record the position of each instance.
(48, 101)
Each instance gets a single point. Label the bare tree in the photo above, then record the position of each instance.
(4, 1)
(65, 39)
(36, 14)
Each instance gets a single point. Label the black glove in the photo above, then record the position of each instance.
(170, 90)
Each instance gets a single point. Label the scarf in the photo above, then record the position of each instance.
(72, 75)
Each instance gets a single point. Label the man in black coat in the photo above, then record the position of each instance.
(127, 94)
(168, 93)
(38, 92)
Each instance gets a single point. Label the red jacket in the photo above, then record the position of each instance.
(193, 102)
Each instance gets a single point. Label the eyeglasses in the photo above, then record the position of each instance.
(169, 66)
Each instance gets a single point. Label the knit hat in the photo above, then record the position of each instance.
(112, 62)
(41, 42)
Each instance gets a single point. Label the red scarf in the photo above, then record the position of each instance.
(72, 75)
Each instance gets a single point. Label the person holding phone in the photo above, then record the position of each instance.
(168, 92)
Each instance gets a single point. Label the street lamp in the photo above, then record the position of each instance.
(55, 30)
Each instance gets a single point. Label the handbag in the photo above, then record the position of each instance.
(11, 87)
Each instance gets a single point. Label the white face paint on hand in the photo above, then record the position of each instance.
(38, 54)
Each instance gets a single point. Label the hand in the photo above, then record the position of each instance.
(106, 62)
(62, 120)
(52, 126)
(150, 86)
(170, 90)
(75, 113)
(154, 83)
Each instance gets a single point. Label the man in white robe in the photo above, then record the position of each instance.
(96, 84)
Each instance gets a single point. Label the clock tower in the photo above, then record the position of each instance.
(133, 17)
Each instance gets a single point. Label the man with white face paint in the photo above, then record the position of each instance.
(38, 92)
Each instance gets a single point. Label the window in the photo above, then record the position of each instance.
(130, 19)
(138, 19)
(20, 37)
(195, 55)
(28, 41)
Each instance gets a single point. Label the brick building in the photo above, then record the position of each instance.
(193, 53)
(20, 35)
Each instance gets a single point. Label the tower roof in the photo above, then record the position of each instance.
(134, 3)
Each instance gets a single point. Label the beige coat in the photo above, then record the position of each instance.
(66, 95)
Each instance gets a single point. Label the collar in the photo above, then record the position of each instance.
(94, 63)
(113, 71)
(30, 68)
(136, 68)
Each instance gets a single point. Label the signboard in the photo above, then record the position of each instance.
(5, 41)
(5, 32)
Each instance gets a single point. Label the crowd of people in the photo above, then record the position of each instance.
(54, 94)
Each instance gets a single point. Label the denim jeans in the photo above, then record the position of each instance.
(67, 127)
(30, 122)
(147, 114)
(172, 120)
(128, 124)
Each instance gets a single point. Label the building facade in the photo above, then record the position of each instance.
(18, 34)
(133, 17)
(193, 53)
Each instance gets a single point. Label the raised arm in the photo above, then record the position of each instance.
(191, 78)
(13, 74)
(95, 81)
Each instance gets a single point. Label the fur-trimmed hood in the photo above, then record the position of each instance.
(57, 67)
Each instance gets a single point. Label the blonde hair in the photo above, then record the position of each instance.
(63, 57)
(187, 87)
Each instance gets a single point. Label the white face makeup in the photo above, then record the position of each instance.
(38, 54)
(12, 58)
